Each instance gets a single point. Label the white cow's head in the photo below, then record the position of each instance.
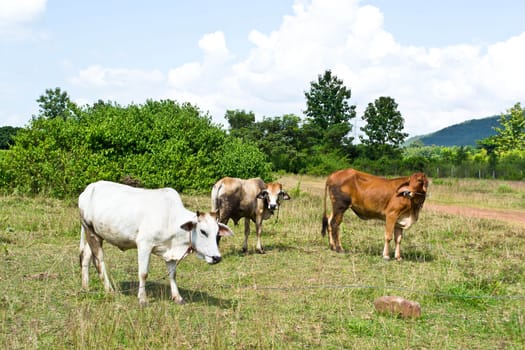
(204, 230)
(272, 195)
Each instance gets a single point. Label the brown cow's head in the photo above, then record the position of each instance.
(415, 188)
(419, 183)
(273, 194)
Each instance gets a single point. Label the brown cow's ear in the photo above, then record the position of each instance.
(403, 190)
(188, 226)
(286, 196)
(224, 230)
(262, 194)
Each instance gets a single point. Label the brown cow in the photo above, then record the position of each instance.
(250, 199)
(395, 201)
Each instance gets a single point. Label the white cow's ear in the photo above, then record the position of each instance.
(188, 226)
(224, 230)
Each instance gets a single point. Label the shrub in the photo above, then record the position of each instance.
(159, 143)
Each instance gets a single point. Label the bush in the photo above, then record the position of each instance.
(159, 143)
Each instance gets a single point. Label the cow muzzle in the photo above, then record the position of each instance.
(215, 260)
(272, 206)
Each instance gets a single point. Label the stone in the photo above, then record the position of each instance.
(398, 306)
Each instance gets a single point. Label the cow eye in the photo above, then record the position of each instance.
(204, 233)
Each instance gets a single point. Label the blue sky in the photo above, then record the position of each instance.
(442, 61)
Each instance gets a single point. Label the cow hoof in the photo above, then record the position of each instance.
(261, 251)
(181, 301)
(143, 303)
(399, 259)
(386, 258)
(244, 250)
(340, 250)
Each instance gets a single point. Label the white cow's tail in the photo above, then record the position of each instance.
(82, 238)
(82, 243)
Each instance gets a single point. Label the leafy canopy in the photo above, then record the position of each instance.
(328, 110)
(383, 128)
(158, 143)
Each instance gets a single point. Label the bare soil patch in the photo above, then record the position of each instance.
(514, 216)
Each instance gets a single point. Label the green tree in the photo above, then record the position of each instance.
(7, 134)
(383, 129)
(242, 124)
(328, 111)
(511, 135)
(280, 139)
(56, 103)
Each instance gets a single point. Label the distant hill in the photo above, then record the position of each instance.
(463, 134)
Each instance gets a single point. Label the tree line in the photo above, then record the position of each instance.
(166, 143)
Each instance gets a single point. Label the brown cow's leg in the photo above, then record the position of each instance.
(246, 234)
(335, 239)
(258, 227)
(340, 203)
(330, 234)
(398, 236)
(389, 231)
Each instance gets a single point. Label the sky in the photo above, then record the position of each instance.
(443, 61)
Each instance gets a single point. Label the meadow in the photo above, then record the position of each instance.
(467, 273)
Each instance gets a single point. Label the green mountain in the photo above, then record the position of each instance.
(463, 134)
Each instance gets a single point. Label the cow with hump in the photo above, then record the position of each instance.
(396, 201)
(251, 199)
(154, 221)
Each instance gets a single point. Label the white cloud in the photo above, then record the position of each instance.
(98, 76)
(214, 46)
(19, 11)
(15, 15)
(121, 85)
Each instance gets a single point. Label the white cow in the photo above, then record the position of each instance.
(150, 220)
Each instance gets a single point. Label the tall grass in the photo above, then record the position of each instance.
(467, 274)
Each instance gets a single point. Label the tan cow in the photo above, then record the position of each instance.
(251, 199)
(395, 201)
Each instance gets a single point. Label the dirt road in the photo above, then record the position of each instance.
(514, 216)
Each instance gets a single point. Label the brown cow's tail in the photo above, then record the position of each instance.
(216, 201)
(325, 218)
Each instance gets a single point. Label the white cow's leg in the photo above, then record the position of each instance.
(175, 295)
(85, 258)
(95, 245)
(246, 234)
(258, 228)
(398, 236)
(143, 259)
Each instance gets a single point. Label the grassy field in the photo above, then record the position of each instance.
(467, 274)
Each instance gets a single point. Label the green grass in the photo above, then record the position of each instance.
(479, 193)
(467, 274)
